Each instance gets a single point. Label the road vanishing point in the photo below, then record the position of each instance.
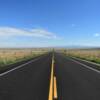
(52, 76)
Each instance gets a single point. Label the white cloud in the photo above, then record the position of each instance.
(97, 34)
(10, 31)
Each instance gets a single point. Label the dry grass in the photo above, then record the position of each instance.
(87, 54)
(8, 56)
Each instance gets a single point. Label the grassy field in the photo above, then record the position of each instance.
(9, 56)
(92, 55)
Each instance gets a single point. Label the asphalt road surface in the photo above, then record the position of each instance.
(75, 79)
(29, 82)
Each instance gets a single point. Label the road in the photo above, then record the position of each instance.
(29, 82)
(74, 79)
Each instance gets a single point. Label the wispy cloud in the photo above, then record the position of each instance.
(97, 34)
(10, 31)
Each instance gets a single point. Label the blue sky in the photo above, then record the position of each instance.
(35, 23)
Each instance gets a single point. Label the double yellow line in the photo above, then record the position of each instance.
(53, 83)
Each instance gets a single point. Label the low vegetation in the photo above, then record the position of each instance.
(9, 56)
(87, 54)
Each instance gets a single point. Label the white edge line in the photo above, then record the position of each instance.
(19, 66)
(86, 66)
(87, 61)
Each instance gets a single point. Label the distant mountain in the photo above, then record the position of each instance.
(77, 47)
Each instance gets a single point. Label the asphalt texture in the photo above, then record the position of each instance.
(74, 81)
(32, 81)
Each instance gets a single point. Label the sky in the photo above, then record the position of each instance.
(48, 23)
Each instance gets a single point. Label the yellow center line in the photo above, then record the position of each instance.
(53, 83)
(55, 88)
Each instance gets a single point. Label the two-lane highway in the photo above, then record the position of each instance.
(52, 76)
